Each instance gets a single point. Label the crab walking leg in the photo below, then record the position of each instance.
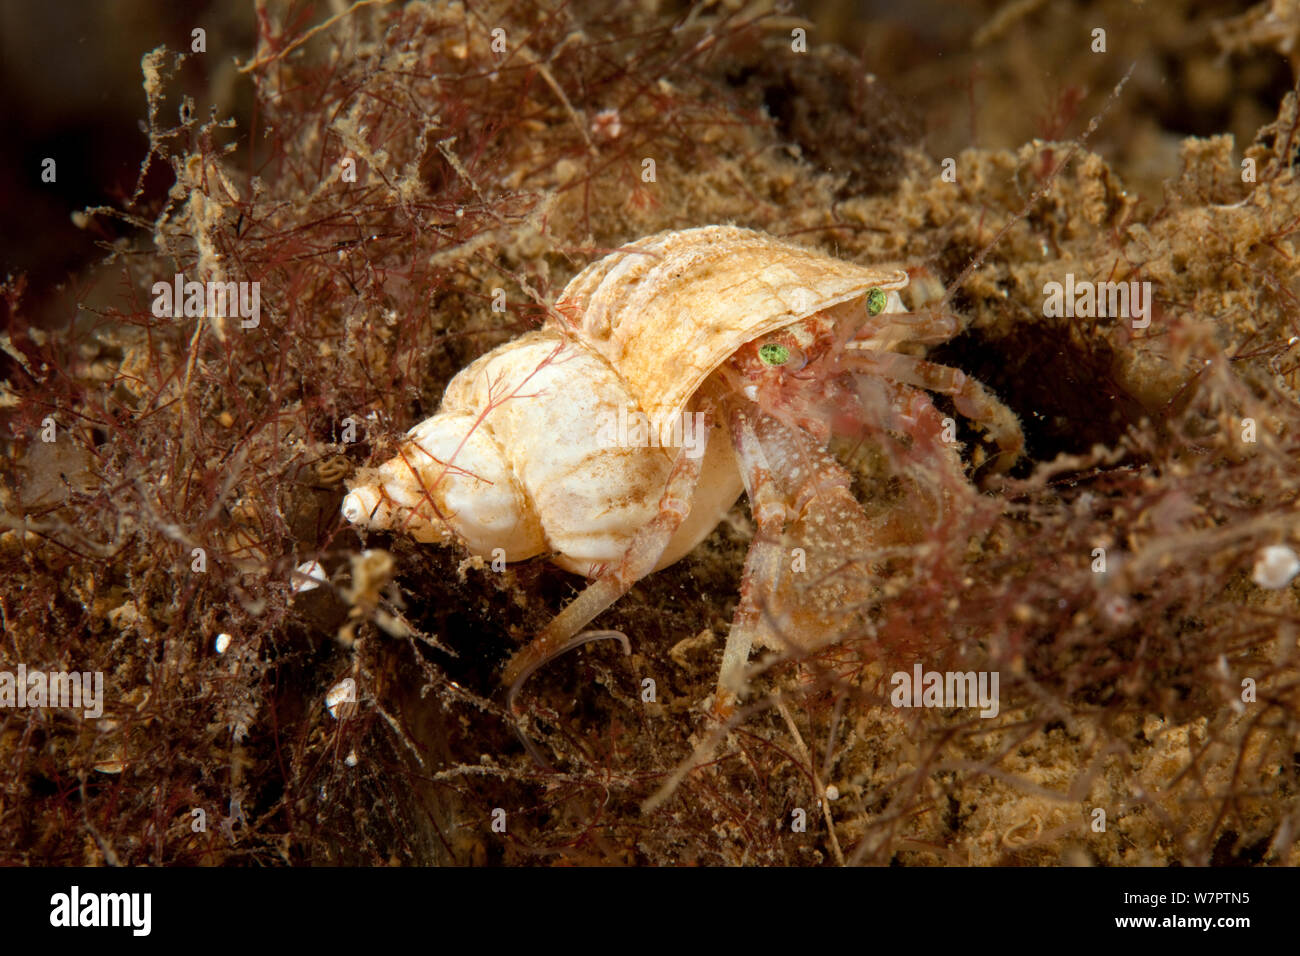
(762, 563)
(971, 398)
(639, 560)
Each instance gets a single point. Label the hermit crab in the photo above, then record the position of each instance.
(674, 373)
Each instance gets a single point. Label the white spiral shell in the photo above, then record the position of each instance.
(518, 460)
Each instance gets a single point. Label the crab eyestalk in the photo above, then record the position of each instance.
(876, 301)
(773, 353)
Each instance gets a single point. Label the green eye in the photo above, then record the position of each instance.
(876, 301)
(773, 353)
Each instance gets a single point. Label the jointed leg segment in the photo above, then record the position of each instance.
(971, 398)
(762, 563)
